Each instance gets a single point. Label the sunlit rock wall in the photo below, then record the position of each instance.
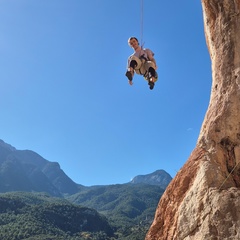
(203, 201)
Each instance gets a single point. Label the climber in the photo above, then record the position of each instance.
(141, 62)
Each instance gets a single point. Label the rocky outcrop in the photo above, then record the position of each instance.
(159, 178)
(203, 201)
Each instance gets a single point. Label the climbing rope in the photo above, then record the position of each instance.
(228, 176)
(141, 24)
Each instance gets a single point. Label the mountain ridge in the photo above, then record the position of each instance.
(124, 205)
(159, 177)
(26, 170)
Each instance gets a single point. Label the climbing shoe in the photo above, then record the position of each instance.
(151, 84)
(129, 75)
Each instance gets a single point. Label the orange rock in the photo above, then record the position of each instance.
(203, 201)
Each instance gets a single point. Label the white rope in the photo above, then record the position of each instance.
(141, 25)
(228, 176)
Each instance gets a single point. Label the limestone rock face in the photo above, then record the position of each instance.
(203, 201)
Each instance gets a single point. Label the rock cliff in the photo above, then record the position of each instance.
(203, 201)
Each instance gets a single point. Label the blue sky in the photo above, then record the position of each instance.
(64, 94)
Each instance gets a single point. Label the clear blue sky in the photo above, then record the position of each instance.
(64, 94)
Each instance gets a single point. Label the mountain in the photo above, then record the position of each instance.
(6, 146)
(39, 216)
(123, 199)
(159, 178)
(134, 200)
(130, 207)
(203, 200)
(25, 170)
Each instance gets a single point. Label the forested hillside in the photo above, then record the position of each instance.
(38, 216)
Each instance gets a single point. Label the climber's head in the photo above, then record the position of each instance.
(132, 40)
